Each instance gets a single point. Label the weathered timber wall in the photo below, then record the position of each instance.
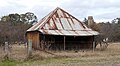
(34, 37)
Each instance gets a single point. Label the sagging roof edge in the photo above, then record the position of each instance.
(56, 35)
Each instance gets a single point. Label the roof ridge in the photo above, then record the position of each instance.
(51, 13)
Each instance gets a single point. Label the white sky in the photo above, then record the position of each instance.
(101, 10)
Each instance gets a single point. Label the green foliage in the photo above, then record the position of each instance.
(116, 21)
(28, 17)
(31, 18)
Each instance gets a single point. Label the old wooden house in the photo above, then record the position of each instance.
(59, 30)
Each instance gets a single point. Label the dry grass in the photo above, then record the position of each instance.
(109, 57)
(17, 52)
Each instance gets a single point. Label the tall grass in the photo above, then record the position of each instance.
(63, 58)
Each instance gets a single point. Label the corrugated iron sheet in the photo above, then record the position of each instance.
(59, 22)
(69, 32)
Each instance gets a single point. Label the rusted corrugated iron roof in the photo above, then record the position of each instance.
(69, 32)
(59, 22)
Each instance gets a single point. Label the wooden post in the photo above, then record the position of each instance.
(93, 44)
(64, 42)
(7, 50)
(29, 48)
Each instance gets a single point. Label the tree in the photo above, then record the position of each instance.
(115, 32)
(13, 26)
(5, 19)
(92, 26)
(28, 17)
(31, 18)
(116, 20)
(23, 18)
(110, 30)
(85, 21)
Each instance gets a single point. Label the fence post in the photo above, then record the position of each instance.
(7, 50)
(29, 48)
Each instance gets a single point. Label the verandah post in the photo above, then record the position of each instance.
(64, 42)
(93, 44)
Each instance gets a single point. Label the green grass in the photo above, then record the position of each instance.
(8, 63)
(74, 61)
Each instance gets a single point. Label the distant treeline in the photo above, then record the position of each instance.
(13, 26)
(110, 30)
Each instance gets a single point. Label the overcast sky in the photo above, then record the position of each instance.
(101, 10)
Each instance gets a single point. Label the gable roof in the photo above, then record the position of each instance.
(60, 22)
